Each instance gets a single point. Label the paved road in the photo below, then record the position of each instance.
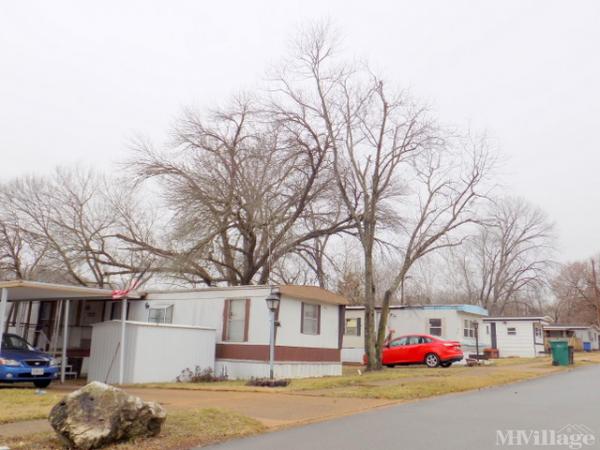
(463, 422)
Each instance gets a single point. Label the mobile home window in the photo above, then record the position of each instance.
(469, 328)
(311, 317)
(353, 327)
(235, 326)
(511, 331)
(160, 314)
(538, 331)
(435, 327)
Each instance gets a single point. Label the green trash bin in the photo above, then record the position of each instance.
(560, 353)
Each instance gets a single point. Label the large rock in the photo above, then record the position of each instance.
(98, 414)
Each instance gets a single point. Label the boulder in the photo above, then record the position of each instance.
(97, 415)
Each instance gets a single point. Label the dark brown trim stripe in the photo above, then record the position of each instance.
(282, 353)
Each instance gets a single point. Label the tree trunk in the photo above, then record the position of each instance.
(370, 345)
(383, 319)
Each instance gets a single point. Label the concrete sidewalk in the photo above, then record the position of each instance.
(272, 409)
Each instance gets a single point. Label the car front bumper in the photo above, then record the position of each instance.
(10, 374)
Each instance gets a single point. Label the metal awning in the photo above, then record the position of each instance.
(22, 290)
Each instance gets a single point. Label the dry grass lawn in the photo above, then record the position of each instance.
(407, 382)
(182, 430)
(197, 427)
(18, 404)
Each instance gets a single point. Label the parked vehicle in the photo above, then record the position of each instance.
(421, 349)
(21, 362)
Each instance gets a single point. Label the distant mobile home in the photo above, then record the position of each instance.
(452, 322)
(579, 336)
(517, 336)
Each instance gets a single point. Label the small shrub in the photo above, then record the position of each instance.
(199, 375)
(267, 382)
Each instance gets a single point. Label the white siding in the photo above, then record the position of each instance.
(588, 335)
(289, 333)
(202, 308)
(522, 343)
(355, 342)
(205, 308)
(416, 321)
(353, 355)
(153, 353)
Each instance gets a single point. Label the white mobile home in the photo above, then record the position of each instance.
(308, 338)
(453, 322)
(517, 336)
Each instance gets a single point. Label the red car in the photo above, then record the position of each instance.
(421, 349)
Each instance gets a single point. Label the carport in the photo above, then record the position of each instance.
(31, 291)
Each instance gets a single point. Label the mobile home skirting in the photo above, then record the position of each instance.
(238, 369)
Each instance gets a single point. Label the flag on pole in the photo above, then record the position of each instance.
(120, 294)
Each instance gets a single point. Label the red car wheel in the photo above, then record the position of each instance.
(432, 360)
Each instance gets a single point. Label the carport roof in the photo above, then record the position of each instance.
(22, 290)
(568, 327)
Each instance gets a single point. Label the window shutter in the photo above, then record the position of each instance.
(359, 326)
(341, 325)
(302, 318)
(318, 319)
(225, 319)
(277, 319)
(246, 320)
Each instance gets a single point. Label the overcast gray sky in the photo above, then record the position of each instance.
(79, 79)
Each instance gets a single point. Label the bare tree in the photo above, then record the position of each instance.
(64, 227)
(450, 182)
(382, 144)
(242, 191)
(577, 293)
(20, 258)
(508, 257)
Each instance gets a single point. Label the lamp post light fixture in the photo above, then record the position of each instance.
(272, 303)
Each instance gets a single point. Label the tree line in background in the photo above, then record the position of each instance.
(328, 175)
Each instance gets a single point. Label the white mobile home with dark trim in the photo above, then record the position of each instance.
(226, 329)
(517, 336)
(307, 341)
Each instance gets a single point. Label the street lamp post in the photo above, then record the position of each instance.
(477, 340)
(272, 303)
